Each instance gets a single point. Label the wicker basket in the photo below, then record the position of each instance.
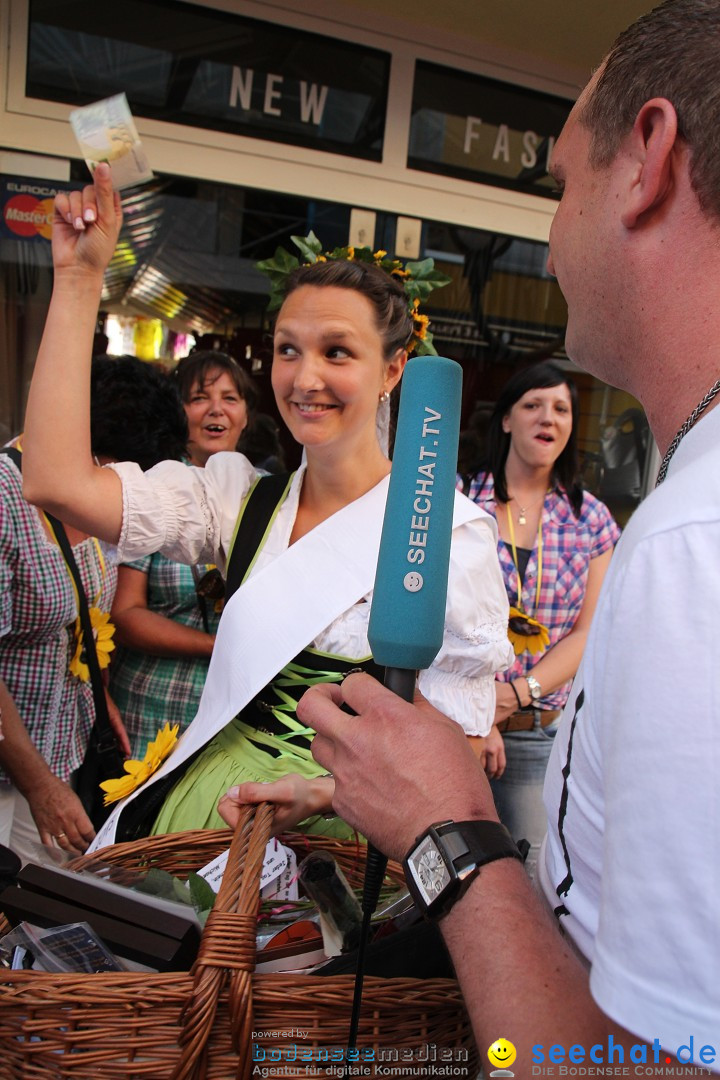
(218, 1020)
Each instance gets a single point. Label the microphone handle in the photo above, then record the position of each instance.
(402, 682)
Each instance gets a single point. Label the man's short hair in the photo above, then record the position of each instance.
(672, 52)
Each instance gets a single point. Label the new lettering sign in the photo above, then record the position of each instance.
(193, 65)
(476, 128)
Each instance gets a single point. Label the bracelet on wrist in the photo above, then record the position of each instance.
(517, 696)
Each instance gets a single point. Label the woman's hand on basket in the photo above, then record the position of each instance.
(59, 815)
(294, 799)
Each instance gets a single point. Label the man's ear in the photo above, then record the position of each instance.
(650, 147)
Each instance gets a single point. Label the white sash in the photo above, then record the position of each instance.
(316, 579)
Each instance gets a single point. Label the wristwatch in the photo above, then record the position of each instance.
(534, 688)
(448, 856)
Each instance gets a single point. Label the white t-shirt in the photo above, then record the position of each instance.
(633, 786)
(189, 514)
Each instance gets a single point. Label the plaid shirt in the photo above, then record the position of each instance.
(569, 543)
(150, 690)
(37, 622)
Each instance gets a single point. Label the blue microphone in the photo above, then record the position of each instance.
(407, 618)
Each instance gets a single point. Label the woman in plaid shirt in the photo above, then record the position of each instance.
(554, 546)
(48, 707)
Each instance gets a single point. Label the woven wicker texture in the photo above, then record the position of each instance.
(216, 1021)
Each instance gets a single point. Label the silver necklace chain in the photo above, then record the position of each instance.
(522, 518)
(690, 422)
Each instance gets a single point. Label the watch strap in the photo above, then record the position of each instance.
(485, 841)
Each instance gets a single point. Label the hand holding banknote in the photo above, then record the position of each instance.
(86, 225)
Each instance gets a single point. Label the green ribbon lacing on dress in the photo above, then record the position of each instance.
(300, 678)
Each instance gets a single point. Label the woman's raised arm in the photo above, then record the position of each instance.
(58, 469)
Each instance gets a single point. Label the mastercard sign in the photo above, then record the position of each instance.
(27, 209)
(25, 215)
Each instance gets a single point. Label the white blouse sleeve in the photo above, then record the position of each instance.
(186, 513)
(461, 682)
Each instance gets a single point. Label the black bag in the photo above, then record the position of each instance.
(103, 758)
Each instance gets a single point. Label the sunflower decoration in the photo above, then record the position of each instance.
(103, 631)
(418, 279)
(420, 322)
(526, 633)
(137, 772)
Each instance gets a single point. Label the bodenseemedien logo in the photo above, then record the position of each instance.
(501, 1054)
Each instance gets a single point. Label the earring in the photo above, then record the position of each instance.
(384, 397)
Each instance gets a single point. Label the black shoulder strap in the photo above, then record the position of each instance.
(101, 714)
(256, 513)
(14, 454)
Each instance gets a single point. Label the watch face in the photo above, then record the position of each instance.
(534, 687)
(428, 868)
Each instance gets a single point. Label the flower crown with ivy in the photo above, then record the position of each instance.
(418, 279)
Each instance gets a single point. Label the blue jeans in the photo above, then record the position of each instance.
(518, 793)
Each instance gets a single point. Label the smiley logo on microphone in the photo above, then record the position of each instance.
(413, 581)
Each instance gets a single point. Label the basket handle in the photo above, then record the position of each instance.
(227, 950)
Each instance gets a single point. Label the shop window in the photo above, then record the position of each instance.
(184, 274)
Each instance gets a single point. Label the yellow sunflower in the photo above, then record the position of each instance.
(137, 772)
(420, 324)
(103, 631)
(526, 634)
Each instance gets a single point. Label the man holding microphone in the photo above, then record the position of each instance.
(617, 960)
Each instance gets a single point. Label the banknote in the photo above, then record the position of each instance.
(106, 132)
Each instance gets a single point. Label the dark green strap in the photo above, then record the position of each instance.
(255, 515)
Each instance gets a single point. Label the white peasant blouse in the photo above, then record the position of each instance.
(189, 515)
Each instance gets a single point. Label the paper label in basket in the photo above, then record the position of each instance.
(106, 131)
(284, 886)
(274, 863)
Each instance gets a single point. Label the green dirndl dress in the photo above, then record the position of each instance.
(264, 742)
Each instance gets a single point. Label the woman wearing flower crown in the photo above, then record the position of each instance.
(307, 566)
(554, 547)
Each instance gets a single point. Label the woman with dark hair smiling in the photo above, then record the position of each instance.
(165, 625)
(555, 542)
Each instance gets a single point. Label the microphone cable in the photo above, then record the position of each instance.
(402, 682)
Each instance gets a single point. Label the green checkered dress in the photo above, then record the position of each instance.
(153, 690)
